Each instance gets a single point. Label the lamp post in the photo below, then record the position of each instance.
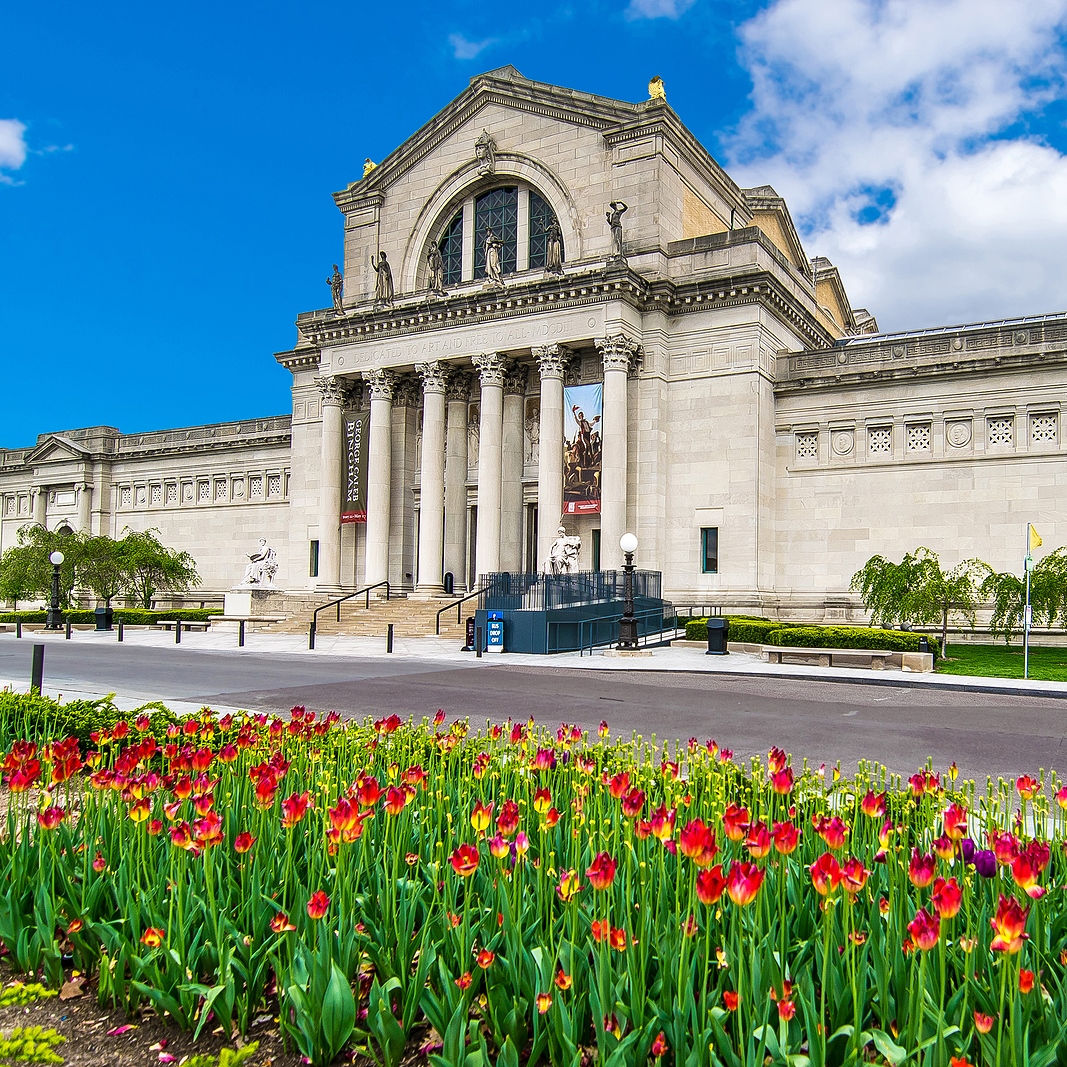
(54, 619)
(628, 624)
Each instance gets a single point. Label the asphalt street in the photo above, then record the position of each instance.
(984, 733)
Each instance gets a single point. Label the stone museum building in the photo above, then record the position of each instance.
(553, 308)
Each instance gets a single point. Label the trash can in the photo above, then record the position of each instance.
(104, 618)
(924, 644)
(718, 636)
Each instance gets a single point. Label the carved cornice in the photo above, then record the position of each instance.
(334, 390)
(434, 375)
(516, 379)
(618, 352)
(459, 386)
(381, 383)
(492, 367)
(553, 360)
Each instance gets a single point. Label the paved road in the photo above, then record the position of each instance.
(821, 721)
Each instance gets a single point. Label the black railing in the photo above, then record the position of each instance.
(547, 592)
(455, 604)
(337, 604)
(653, 629)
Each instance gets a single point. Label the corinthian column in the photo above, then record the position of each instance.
(379, 472)
(85, 505)
(511, 459)
(618, 352)
(491, 369)
(334, 392)
(459, 391)
(432, 477)
(552, 363)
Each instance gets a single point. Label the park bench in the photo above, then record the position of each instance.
(168, 624)
(874, 658)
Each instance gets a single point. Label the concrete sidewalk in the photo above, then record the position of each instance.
(446, 652)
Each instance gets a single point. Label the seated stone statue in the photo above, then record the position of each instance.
(563, 553)
(263, 566)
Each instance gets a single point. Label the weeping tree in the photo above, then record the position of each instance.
(917, 591)
(1007, 593)
(103, 568)
(25, 570)
(150, 567)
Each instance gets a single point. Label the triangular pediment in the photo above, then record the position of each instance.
(56, 448)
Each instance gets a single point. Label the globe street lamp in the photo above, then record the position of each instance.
(628, 624)
(55, 617)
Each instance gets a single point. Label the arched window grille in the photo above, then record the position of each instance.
(497, 211)
(541, 218)
(451, 245)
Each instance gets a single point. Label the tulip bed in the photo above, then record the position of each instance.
(515, 895)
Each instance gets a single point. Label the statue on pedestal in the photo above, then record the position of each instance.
(336, 283)
(262, 566)
(494, 276)
(563, 553)
(435, 269)
(383, 288)
(614, 214)
(554, 248)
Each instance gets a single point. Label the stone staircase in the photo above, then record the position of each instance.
(410, 617)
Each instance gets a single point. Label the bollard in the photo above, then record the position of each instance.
(177, 631)
(478, 641)
(18, 627)
(37, 668)
(389, 639)
(121, 624)
(241, 634)
(311, 636)
(67, 634)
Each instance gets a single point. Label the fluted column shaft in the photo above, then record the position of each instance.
(491, 368)
(334, 392)
(379, 473)
(617, 352)
(432, 478)
(456, 463)
(85, 508)
(552, 362)
(39, 504)
(512, 453)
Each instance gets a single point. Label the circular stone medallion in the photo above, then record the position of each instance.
(958, 434)
(842, 442)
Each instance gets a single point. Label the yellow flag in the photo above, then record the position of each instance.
(1035, 538)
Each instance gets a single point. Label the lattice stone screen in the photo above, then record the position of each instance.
(1001, 431)
(919, 437)
(157, 494)
(880, 440)
(204, 493)
(274, 485)
(1044, 429)
(126, 497)
(255, 486)
(807, 445)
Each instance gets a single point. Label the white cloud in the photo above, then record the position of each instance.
(465, 49)
(12, 148)
(888, 127)
(658, 9)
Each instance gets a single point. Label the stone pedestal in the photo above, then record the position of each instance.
(249, 602)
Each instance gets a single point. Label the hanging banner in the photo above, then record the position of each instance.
(354, 505)
(583, 409)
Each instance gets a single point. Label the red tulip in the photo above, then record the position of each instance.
(925, 929)
(853, 876)
(758, 841)
(318, 904)
(601, 873)
(730, 1000)
(632, 803)
(786, 837)
(280, 923)
(508, 820)
(921, 868)
(464, 860)
(873, 805)
(243, 842)
(710, 885)
(464, 980)
(396, 798)
(983, 1023)
(485, 958)
(619, 785)
(946, 897)
(1009, 925)
(368, 791)
(735, 821)
(833, 831)
(955, 822)
(663, 822)
(1027, 787)
(782, 781)
(153, 937)
(1026, 980)
(51, 817)
(825, 874)
(659, 1045)
(743, 883)
(294, 808)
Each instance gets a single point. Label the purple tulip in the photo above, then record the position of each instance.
(968, 851)
(985, 863)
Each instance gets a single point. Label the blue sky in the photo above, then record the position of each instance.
(165, 171)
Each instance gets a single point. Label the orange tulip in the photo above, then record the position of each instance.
(854, 876)
(485, 958)
(946, 897)
(1009, 925)
(1026, 981)
(730, 1000)
(955, 822)
(563, 981)
(601, 873)
(743, 883)
(544, 1002)
(280, 923)
(153, 937)
(464, 860)
(318, 904)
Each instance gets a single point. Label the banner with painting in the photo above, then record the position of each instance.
(583, 409)
(354, 504)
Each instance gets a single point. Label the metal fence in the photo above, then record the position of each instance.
(547, 592)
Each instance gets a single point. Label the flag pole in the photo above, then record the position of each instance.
(1027, 565)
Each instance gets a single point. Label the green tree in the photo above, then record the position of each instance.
(934, 595)
(1007, 592)
(103, 567)
(885, 589)
(150, 567)
(25, 570)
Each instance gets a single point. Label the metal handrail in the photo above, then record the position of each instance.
(455, 604)
(337, 604)
(643, 640)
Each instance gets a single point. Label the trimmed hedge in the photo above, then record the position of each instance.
(849, 637)
(129, 616)
(39, 718)
(745, 628)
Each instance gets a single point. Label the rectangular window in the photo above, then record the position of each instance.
(709, 550)
(313, 569)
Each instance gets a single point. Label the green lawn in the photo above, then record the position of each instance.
(1000, 661)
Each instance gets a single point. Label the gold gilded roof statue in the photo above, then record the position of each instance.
(655, 89)
(368, 166)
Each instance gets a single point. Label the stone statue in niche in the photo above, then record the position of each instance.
(337, 286)
(435, 269)
(533, 438)
(614, 214)
(563, 553)
(485, 153)
(383, 288)
(554, 249)
(494, 276)
(262, 566)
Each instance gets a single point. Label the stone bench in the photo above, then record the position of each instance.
(169, 624)
(874, 658)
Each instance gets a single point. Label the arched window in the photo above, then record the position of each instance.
(517, 214)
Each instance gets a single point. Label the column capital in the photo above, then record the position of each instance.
(552, 360)
(459, 385)
(381, 382)
(516, 378)
(334, 390)
(619, 352)
(434, 375)
(491, 366)
(406, 391)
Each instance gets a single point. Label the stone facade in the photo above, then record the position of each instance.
(743, 394)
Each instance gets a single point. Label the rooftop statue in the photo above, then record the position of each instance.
(336, 283)
(383, 289)
(262, 566)
(655, 89)
(368, 166)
